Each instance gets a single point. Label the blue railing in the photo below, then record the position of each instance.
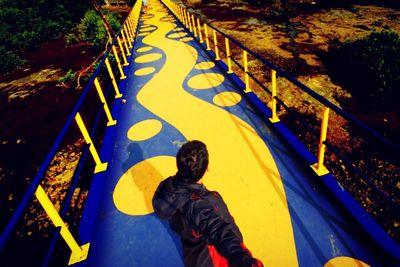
(210, 39)
(119, 47)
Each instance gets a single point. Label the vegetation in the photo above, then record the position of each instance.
(24, 24)
(370, 68)
(92, 29)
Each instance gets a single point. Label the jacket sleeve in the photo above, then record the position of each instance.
(217, 232)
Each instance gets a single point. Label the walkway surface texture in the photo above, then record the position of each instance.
(174, 92)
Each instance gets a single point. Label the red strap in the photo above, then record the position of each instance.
(217, 259)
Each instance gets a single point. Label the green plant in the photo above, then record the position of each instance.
(93, 30)
(370, 68)
(68, 78)
(9, 60)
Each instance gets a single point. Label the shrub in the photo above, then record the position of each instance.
(9, 60)
(93, 30)
(370, 68)
(69, 77)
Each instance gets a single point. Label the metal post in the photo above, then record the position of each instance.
(200, 35)
(118, 62)
(79, 253)
(129, 35)
(319, 167)
(100, 166)
(206, 34)
(194, 26)
(111, 121)
(128, 53)
(216, 45)
(189, 21)
(274, 117)
(246, 74)
(121, 49)
(110, 72)
(184, 18)
(228, 56)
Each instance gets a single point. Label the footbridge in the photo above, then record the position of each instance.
(168, 78)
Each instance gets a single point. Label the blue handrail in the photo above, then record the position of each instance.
(309, 91)
(22, 206)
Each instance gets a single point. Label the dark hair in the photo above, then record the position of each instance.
(192, 161)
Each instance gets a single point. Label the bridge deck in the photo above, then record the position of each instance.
(174, 92)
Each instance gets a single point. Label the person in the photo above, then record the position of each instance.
(144, 3)
(208, 232)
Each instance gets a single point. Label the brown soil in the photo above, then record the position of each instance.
(34, 106)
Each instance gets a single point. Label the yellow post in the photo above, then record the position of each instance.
(121, 49)
(182, 15)
(110, 72)
(228, 55)
(206, 34)
(111, 121)
(246, 74)
(100, 166)
(319, 167)
(118, 62)
(274, 117)
(194, 26)
(200, 35)
(184, 18)
(79, 253)
(128, 34)
(189, 21)
(128, 53)
(216, 45)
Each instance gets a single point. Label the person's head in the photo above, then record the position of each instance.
(192, 161)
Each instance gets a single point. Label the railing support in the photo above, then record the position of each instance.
(228, 56)
(216, 45)
(194, 26)
(274, 117)
(121, 49)
(125, 38)
(79, 253)
(200, 35)
(206, 34)
(100, 166)
(118, 62)
(111, 121)
(110, 72)
(246, 74)
(319, 167)
(189, 21)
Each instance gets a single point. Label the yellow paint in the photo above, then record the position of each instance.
(144, 49)
(187, 39)
(241, 166)
(79, 253)
(100, 166)
(145, 71)
(148, 58)
(205, 65)
(319, 167)
(177, 35)
(144, 130)
(135, 189)
(143, 34)
(345, 262)
(206, 80)
(227, 99)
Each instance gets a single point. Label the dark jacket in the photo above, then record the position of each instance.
(209, 234)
